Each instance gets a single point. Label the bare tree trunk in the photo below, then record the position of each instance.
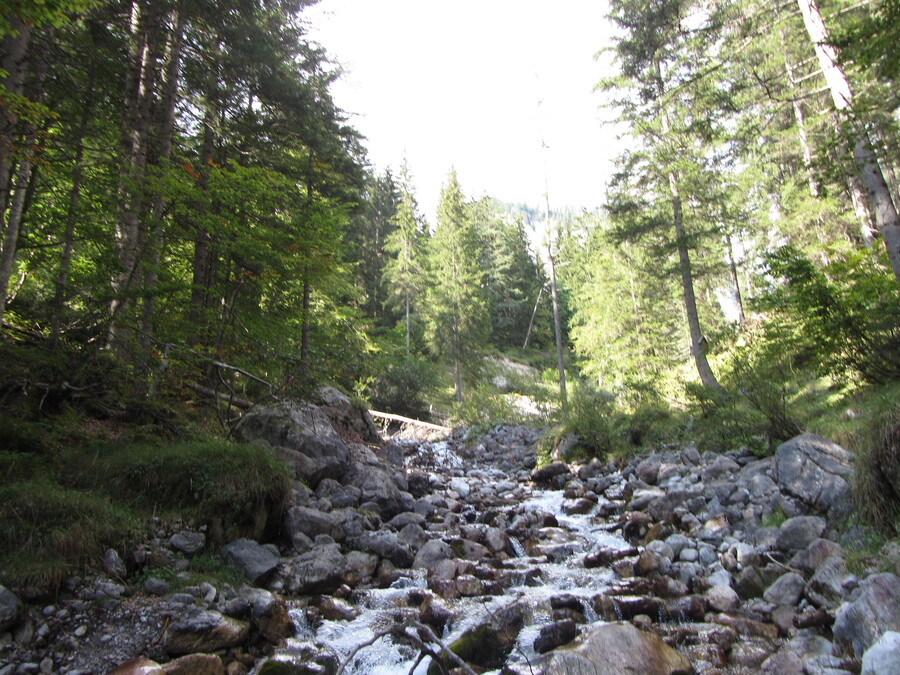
(143, 70)
(698, 341)
(800, 120)
(15, 63)
(20, 191)
(65, 259)
(200, 281)
(170, 97)
(457, 378)
(867, 229)
(881, 203)
(732, 268)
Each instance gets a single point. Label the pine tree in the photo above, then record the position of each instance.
(455, 308)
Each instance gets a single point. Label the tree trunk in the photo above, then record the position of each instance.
(143, 70)
(732, 267)
(457, 379)
(15, 64)
(881, 203)
(200, 280)
(61, 284)
(164, 150)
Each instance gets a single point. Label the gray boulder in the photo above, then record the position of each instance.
(817, 472)
(432, 553)
(200, 630)
(799, 532)
(874, 609)
(311, 523)
(612, 649)
(385, 544)
(826, 587)
(258, 562)
(787, 590)
(189, 543)
(353, 419)
(298, 428)
(374, 480)
(269, 614)
(11, 609)
(883, 657)
(809, 559)
(321, 570)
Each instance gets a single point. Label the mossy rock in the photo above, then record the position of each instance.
(483, 646)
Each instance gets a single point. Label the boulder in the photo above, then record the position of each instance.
(139, 666)
(826, 587)
(300, 428)
(432, 553)
(487, 645)
(548, 472)
(320, 570)
(809, 559)
(351, 418)
(787, 590)
(799, 532)
(385, 544)
(883, 657)
(11, 609)
(817, 472)
(189, 543)
(722, 598)
(269, 614)
(201, 630)
(257, 562)
(374, 480)
(612, 649)
(874, 609)
(555, 635)
(195, 664)
(311, 523)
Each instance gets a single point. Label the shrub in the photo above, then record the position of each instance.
(877, 470)
(402, 386)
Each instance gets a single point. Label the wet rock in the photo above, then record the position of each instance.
(883, 657)
(625, 608)
(752, 582)
(691, 608)
(11, 609)
(799, 532)
(554, 635)
(375, 483)
(335, 609)
(195, 664)
(138, 666)
(487, 645)
(796, 654)
(873, 609)
(786, 590)
(548, 472)
(257, 562)
(433, 613)
(301, 658)
(816, 471)
(200, 630)
(614, 648)
(269, 614)
(604, 557)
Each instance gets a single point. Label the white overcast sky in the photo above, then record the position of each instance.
(456, 84)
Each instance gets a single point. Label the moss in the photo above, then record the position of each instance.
(481, 646)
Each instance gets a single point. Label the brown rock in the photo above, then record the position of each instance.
(615, 648)
(195, 664)
(200, 630)
(139, 666)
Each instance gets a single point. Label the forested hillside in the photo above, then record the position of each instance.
(187, 212)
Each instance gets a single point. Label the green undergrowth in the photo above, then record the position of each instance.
(79, 473)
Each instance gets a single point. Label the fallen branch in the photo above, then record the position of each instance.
(408, 420)
(236, 401)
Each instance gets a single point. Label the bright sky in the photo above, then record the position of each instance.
(456, 84)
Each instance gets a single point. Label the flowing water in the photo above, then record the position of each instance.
(535, 580)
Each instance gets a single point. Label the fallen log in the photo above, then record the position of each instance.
(408, 420)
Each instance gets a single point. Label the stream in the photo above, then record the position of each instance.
(547, 566)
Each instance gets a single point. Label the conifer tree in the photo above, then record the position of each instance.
(455, 307)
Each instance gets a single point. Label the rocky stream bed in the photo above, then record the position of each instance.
(392, 553)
